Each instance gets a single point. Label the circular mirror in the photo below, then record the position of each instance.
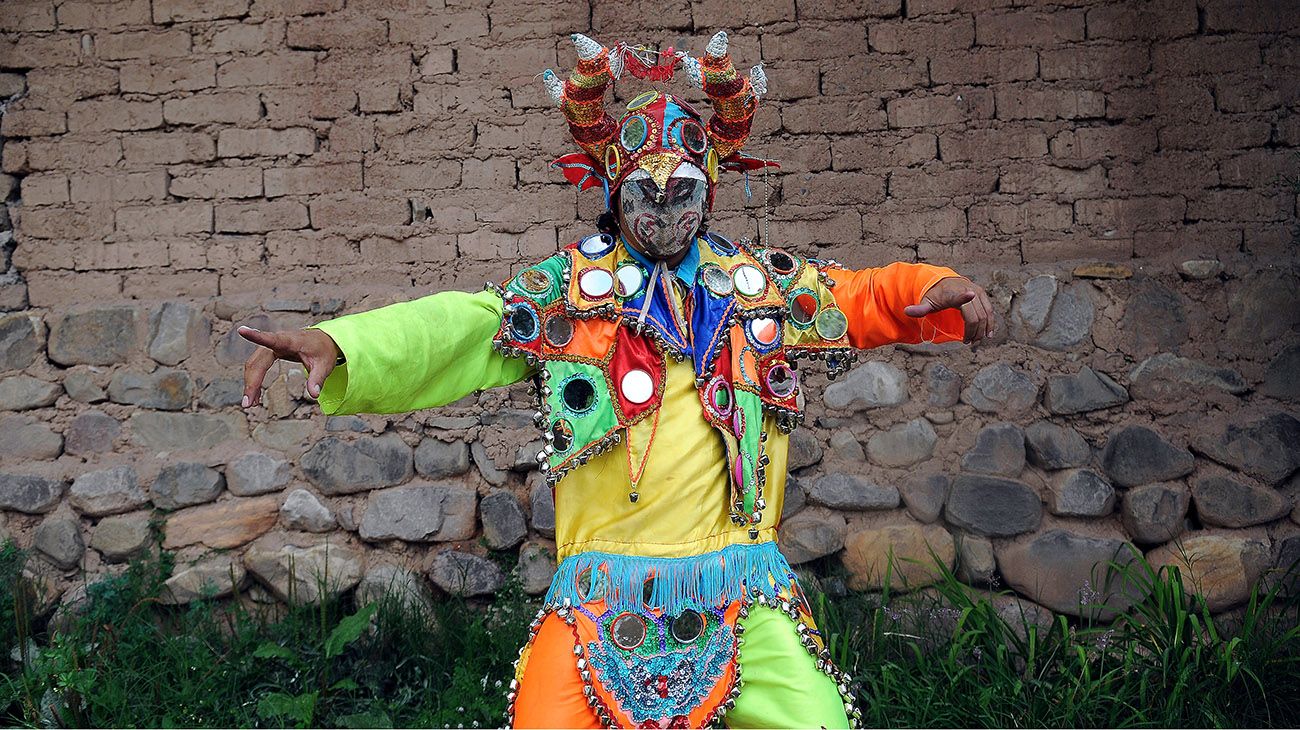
(749, 280)
(628, 631)
(634, 133)
(628, 280)
(803, 308)
(596, 245)
(831, 324)
(596, 283)
(559, 331)
(579, 395)
(563, 435)
(536, 281)
(613, 163)
(764, 331)
(719, 395)
(716, 280)
(782, 262)
(693, 136)
(637, 386)
(523, 323)
(687, 626)
(643, 99)
(781, 380)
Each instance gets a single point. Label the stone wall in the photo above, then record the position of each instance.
(1121, 176)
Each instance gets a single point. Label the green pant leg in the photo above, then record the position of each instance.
(781, 685)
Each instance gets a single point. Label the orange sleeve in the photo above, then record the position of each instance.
(873, 301)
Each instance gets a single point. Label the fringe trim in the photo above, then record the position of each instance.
(696, 582)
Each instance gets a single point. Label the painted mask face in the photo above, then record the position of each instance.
(659, 223)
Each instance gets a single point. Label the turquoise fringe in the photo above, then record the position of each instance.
(697, 582)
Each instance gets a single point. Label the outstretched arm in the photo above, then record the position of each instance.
(911, 303)
(404, 357)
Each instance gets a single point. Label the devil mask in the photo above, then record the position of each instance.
(661, 222)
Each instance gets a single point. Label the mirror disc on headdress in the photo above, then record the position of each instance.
(693, 136)
(559, 331)
(613, 163)
(596, 283)
(749, 280)
(536, 281)
(628, 280)
(634, 133)
(642, 100)
(628, 631)
(687, 626)
(711, 164)
(832, 324)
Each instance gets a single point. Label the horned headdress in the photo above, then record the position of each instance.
(659, 131)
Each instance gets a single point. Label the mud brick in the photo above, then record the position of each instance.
(437, 28)
(1254, 91)
(45, 189)
(89, 14)
(1118, 141)
(351, 134)
(865, 74)
(142, 44)
(32, 123)
(114, 115)
(717, 14)
(1093, 61)
(103, 187)
(984, 65)
(918, 8)
(852, 10)
(1016, 101)
(285, 68)
(342, 211)
(27, 16)
(155, 78)
(68, 151)
(244, 37)
(1129, 214)
(1258, 168)
(615, 20)
(65, 222)
(1057, 182)
(168, 148)
(1205, 55)
(1052, 247)
(1241, 205)
(282, 8)
(57, 87)
(265, 142)
(379, 98)
(936, 181)
(809, 42)
(312, 179)
(1282, 53)
(332, 31)
(57, 288)
(94, 255)
(288, 107)
(898, 220)
(1250, 16)
(40, 51)
(833, 116)
(1027, 28)
(1217, 135)
(494, 173)
(444, 174)
(13, 158)
(148, 283)
(438, 61)
(1167, 172)
(260, 217)
(988, 219)
(1155, 20)
(217, 182)
(955, 107)
(538, 19)
(922, 36)
(165, 220)
(222, 107)
(982, 145)
(883, 149)
(494, 62)
(173, 11)
(1185, 99)
(414, 249)
(294, 248)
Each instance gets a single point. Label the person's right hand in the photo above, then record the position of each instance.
(312, 348)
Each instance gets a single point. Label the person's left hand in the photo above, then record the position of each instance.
(958, 292)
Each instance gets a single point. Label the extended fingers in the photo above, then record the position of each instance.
(318, 369)
(255, 369)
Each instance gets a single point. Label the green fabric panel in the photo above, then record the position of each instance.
(590, 425)
(418, 354)
(752, 405)
(782, 685)
(554, 267)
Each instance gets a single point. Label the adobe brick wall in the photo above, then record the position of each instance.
(1121, 176)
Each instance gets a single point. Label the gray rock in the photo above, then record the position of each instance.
(256, 473)
(944, 385)
(173, 330)
(848, 491)
(526, 456)
(1000, 388)
(284, 435)
(1137, 455)
(189, 431)
(29, 493)
(391, 583)
(440, 459)
(233, 349)
(1198, 269)
(19, 342)
(221, 393)
(59, 540)
(1070, 573)
(122, 537)
(1086, 390)
(1267, 449)
(305, 575)
(924, 494)
(1264, 307)
(793, 499)
(81, 386)
(464, 574)
(903, 445)
(302, 511)
(22, 437)
(536, 567)
(999, 449)
(1167, 376)
(486, 467)
(1155, 513)
(342, 467)
(1280, 379)
(1081, 493)
(504, 525)
(1154, 318)
(976, 562)
(846, 447)
(870, 385)
(355, 424)
(812, 534)
(1052, 316)
(186, 484)
(1230, 503)
(91, 432)
(541, 503)
(1050, 446)
(164, 389)
(107, 492)
(992, 506)
(420, 513)
(215, 577)
(804, 451)
(23, 392)
(100, 336)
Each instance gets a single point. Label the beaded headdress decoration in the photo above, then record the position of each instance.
(660, 131)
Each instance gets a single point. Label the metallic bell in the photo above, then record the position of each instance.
(633, 497)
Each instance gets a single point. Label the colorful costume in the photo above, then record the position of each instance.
(665, 399)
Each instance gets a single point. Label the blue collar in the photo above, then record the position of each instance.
(685, 271)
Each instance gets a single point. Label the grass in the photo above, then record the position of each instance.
(941, 657)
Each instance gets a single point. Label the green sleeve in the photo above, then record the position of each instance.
(418, 354)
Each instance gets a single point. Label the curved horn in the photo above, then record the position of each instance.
(583, 98)
(732, 96)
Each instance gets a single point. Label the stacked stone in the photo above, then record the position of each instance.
(1115, 175)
